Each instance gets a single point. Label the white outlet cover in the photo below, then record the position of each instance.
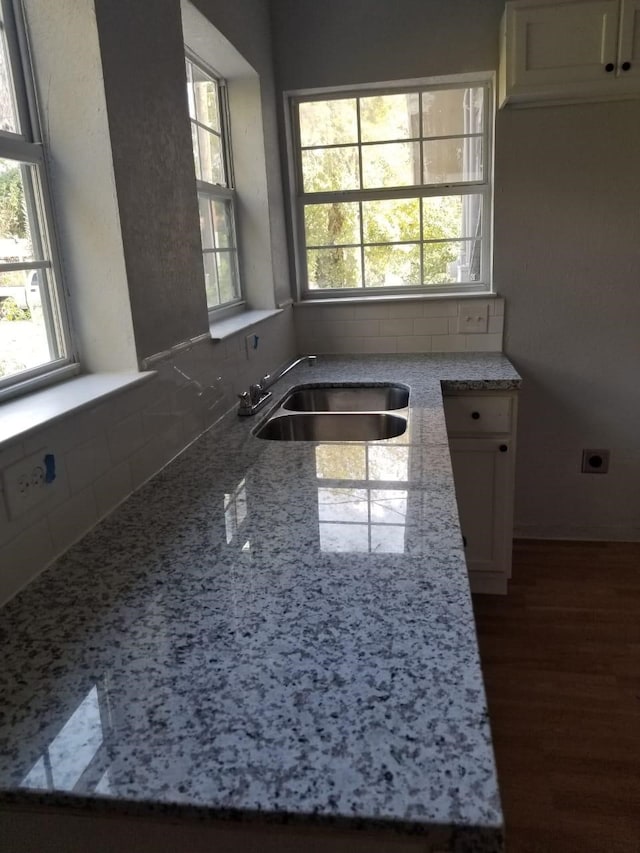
(473, 318)
(24, 483)
(252, 343)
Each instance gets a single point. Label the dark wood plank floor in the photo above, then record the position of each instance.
(561, 661)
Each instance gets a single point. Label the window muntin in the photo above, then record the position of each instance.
(393, 188)
(206, 95)
(34, 337)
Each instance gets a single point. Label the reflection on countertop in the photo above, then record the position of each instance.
(267, 628)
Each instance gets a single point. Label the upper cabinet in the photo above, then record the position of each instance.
(577, 50)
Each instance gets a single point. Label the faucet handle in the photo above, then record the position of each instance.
(245, 402)
(265, 381)
(255, 393)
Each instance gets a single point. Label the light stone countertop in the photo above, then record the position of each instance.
(268, 630)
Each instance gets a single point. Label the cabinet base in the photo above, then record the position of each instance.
(488, 583)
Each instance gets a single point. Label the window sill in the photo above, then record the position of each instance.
(396, 297)
(223, 329)
(28, 414)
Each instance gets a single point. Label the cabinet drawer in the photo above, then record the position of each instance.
(478, 414)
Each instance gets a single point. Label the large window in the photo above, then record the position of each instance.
(214, 177)
(34, 340)
(393, 189)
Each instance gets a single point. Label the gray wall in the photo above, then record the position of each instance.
(247, 25)
(144, 82)
(566, 245)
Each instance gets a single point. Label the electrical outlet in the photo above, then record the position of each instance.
(595, 461)
(29, 481)
(473, 318)
(252, 342)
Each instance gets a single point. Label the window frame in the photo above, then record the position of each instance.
(300, 199)
(26, 146)
(218, 192)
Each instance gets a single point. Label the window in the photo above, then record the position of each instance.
(393, 189)
(206, 94)
(34, 337)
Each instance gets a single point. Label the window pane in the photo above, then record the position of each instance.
(395, 165)
(216, 223)
(205, 99)
(332, 224)
(227, 277)
(16, 211)
(447, 263)
(392, 266)
(25, 341)
(328, 122)
(327, 169)
(451, 217)
(391, 220)
(8, 112)
(211, 280)
(387, 117)
(448, 161)
(334, 268)
(210, 157)
(452, 111)
(206, 222)
(223, 224)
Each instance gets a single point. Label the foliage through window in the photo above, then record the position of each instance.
(393, 189)
(34, 339)
(206, 95)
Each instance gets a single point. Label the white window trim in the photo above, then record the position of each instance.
(215, 191)
(485, 188)
(27, 147)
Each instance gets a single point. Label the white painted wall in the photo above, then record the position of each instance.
(71, 95)
(566, 253)
(567, 260)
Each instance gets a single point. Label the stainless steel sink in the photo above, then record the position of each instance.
(347, 398)
(323, 426)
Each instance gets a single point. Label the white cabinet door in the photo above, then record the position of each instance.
(483, 475)
(563, 52)
(629, 59)
(564, 43)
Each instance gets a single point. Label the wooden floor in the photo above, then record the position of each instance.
(561, 660)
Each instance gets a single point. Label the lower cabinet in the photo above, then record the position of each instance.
(481, 431)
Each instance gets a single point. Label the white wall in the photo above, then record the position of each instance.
(566, 253)
(567, 260)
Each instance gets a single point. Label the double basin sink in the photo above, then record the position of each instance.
(346, 412)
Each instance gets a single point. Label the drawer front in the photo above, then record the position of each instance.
(478, 415)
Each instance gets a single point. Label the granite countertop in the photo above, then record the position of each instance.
(267, 630)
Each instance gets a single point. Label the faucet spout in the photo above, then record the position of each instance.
(268, 380)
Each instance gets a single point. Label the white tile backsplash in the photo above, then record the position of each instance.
(24, 557)
(87, 462)
(431, 326)
(106, 451)
(396, 327)
(72, 519)
(419, 325)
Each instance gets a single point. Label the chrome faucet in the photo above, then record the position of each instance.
(258, 394)
(268, 380)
